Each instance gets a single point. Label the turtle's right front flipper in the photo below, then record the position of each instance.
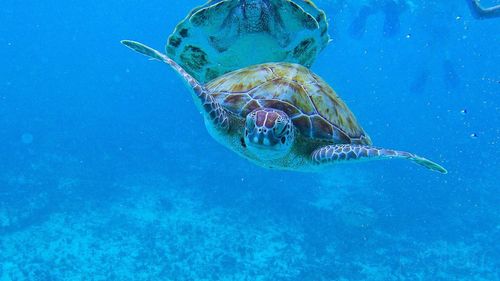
(212, 109)
(340, 153)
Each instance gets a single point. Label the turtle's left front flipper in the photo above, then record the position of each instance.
(340, 153)
(212, 109)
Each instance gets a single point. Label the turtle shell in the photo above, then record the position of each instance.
(226, 35)
(315, 109)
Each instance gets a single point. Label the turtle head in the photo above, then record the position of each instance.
(269, 133)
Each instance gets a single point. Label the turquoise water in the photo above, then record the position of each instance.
(108, 173)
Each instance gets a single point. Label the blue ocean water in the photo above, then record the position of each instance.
(108, 173)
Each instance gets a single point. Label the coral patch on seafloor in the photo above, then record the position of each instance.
(149, 227)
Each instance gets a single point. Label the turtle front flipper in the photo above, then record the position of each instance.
(204, 100)
(339, 153)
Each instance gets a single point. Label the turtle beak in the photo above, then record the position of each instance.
(262, 137)
(264, 145)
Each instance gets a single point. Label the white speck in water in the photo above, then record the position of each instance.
(463, 111)
(408, 36)
(474, 136)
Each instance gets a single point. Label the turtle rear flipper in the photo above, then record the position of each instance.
(346, 152)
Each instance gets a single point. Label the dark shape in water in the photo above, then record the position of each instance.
(389, 8)
(357, 27)
(391, 23)
(418, 85)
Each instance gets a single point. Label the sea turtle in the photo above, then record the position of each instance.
(281, 115)
(226, 35)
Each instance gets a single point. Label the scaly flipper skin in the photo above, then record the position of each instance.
(338, 153)
(214, 111)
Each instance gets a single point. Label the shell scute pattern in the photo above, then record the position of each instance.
(323, 129)
(249, 107)
(332, 108)
(286, 107)
(236, 101)
(287, 91)
(304, 125)
(315, 109)
(242, 80)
